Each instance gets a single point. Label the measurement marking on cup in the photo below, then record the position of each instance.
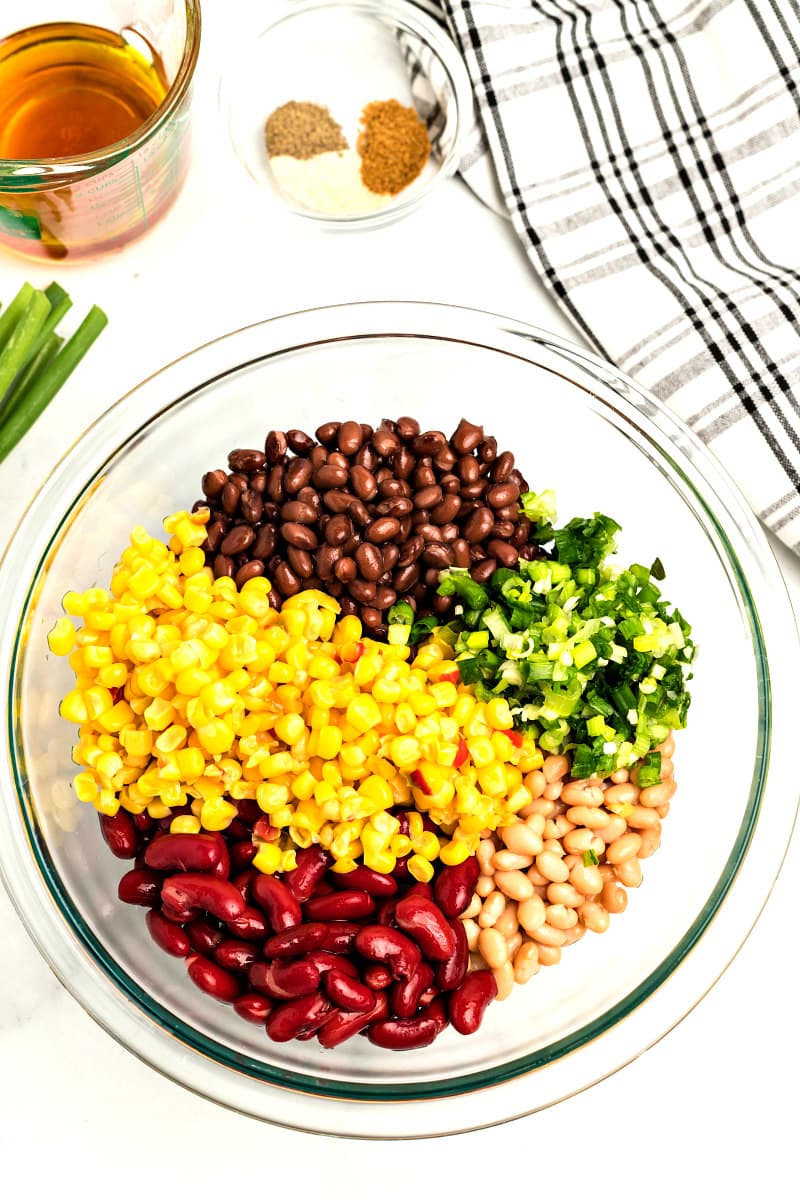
(139, 194)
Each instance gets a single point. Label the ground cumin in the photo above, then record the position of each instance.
(302, 130)
(393, 144)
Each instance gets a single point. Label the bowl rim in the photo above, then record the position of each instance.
(427, 321)
(418, 16)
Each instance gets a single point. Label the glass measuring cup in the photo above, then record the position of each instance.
(70, 205)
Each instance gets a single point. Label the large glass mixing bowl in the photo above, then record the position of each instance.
(576, 425)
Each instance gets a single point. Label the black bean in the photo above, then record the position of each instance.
(502, 467)
(276, 482)
(299, 512)
(477, 526)
(249, 571)
(251, 506)
(428, 444)
(301, 562)
(239, 538)
(505, 554)
(382, 530)
(275, 446)
(363, 483)
(328, 432)
(345, 570)
(286, 581)
(213, 483)
(264, 544)
(481, 571)
(369, 561)
(502, 494)
(300, 536)
(466, 437)
(223, 565)
(230, 497)
(349, 438)
(411, 551)
(297, 475)
(246, 461)
(299, 442)
(363, 591)
(405, 578)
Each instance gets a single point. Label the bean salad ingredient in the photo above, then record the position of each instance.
(588, 656)
(35, 361)
(368, 515)
(394, 146)
(377, 740)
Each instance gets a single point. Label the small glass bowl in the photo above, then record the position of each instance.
(342, 56)
(575, 424)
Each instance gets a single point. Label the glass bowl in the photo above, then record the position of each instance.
(342, 55)
(576, 425)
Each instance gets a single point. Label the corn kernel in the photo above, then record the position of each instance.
(61, 638)
(498, 714)
(217, 814)
(267, 858)
(420, 869)
(454, 853)
(185, 824)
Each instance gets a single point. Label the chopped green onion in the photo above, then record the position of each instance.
(590, 859)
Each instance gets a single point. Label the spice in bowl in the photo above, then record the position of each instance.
(313, 162)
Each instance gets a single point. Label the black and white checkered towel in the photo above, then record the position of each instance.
(648, 154)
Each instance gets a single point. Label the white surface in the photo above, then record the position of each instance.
(710, 1108)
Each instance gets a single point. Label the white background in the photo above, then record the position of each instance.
(712, 1109)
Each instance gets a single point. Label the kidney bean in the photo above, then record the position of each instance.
(213, 979)
(339, 936)
(203, 936)
(324, 961)
(384, 914)
(436, 1010)
(142, 822)
(140, 886)
(451, 972)
(171, 938)
(185, 893)
(340, 906)
(249, 925)
(254, 1007)
(282, 909)
(299, 939)
(341, 1025)
(119, 834)
(235, 955)
(454, 886)
(427, 925)
(469, 1001)
(379, 943)
(348, 993)
(222, 869)
(312, 863)
(241, 854)
(405, 994)
(283, 979)
(377, 976)
(367, 880)
(299, 1016)
(409, 1034)
(183, 852)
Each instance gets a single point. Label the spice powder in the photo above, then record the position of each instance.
(302, 130)
(393, 144)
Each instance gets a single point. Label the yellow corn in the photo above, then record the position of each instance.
(226, 698)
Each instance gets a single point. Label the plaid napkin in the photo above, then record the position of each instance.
(648, 154)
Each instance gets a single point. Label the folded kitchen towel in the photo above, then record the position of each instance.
(648, 155)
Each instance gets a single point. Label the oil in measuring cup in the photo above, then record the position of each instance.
(91, 151)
